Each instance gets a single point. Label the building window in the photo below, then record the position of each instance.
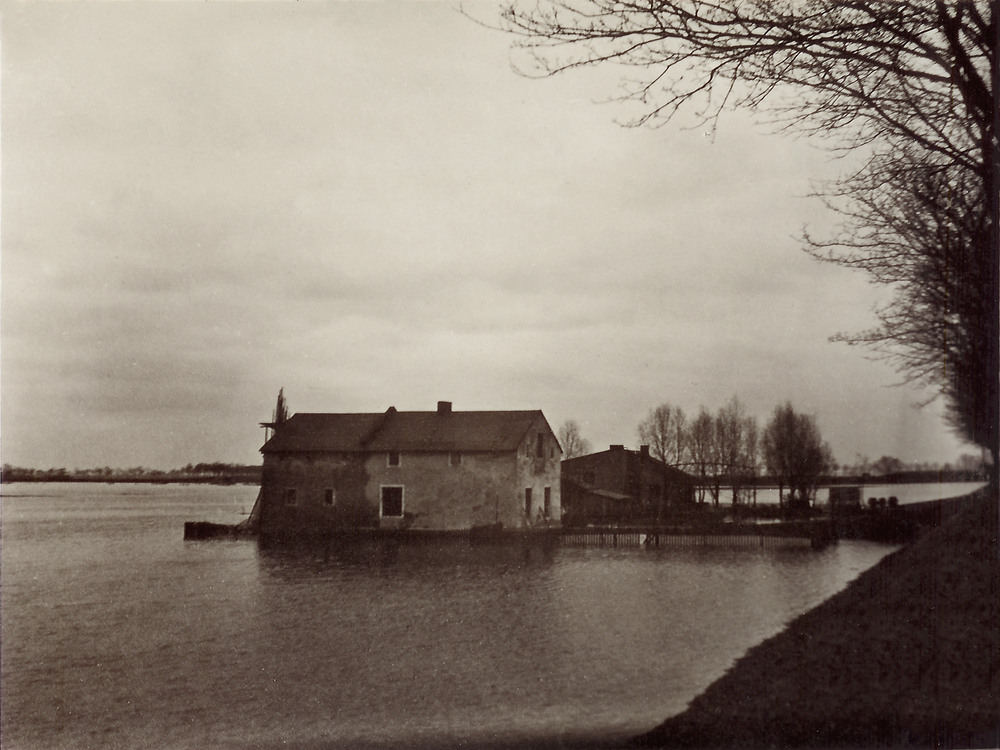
(540, 446)
(527, 501)
(393, 458)
(329, 497)
(547, 507)
(290, 498)
(392, 502)
(456, 458)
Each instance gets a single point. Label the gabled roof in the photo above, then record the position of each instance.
(321, 432)
(403, 431)
(592, 490)
(675, 474)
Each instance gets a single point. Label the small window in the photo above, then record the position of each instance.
(290, 498)
(392, 502)
(456, 458)
(547, 508)
(540, 446)
(393, 458)
(527, 501)
(329, 497)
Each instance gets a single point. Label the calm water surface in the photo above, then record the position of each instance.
(117, 633)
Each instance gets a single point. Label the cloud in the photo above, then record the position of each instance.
(361, 203)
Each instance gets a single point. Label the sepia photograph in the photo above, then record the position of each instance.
(499, 374)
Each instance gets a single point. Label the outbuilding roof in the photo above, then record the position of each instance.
(597, 492)
(404, 431)
(618, 452)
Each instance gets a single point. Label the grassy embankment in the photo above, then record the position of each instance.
(907, 655)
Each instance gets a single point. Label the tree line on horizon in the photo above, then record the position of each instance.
(730, 451)
(967, 468)
(206, 473)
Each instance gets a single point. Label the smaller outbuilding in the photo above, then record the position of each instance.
(620, 485)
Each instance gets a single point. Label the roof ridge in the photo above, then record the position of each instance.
(377, 427)
(418, 430)
(414, 411)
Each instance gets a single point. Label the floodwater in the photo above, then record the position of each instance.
(116, 633)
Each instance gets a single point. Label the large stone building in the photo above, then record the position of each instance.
(621, 485)
(439, 470)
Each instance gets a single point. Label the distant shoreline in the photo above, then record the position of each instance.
(204, 473)
(251, 475)
(142, 480)
(253, 478)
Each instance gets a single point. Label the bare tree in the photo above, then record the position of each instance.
(572, 441)
(752, 453)
(795, 454)
(738, 447)
(664, 430)
(887, 465)
(730, 435)
(702, 447)
(911, 85)
(920, 227)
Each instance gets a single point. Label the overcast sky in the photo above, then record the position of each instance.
(364, 204)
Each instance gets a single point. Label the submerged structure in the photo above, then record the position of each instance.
(439, 470)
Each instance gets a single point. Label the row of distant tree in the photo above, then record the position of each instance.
(967, 463)
(204, 473)
(730, 451)
(725, 450)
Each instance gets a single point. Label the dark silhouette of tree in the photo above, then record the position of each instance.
(664, 430)
(752, 454)
(572, 441)
(910, 86)
(795, 454)
(887, 465)
(736, 436)
(920, 227)
(703, 451)
(970, 463)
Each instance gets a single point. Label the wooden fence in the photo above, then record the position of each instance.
(622, 538)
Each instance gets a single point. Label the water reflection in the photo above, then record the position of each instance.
(532, 639)
(403, 557)
(116, 629)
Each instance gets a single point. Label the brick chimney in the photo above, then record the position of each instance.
(617, 447)
(644, 450)
(444, 407)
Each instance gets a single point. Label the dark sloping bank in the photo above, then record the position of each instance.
(907, 655)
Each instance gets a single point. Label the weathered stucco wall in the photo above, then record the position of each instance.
(437, 494)
(538, 469)
(311, 476)
(308, 494)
